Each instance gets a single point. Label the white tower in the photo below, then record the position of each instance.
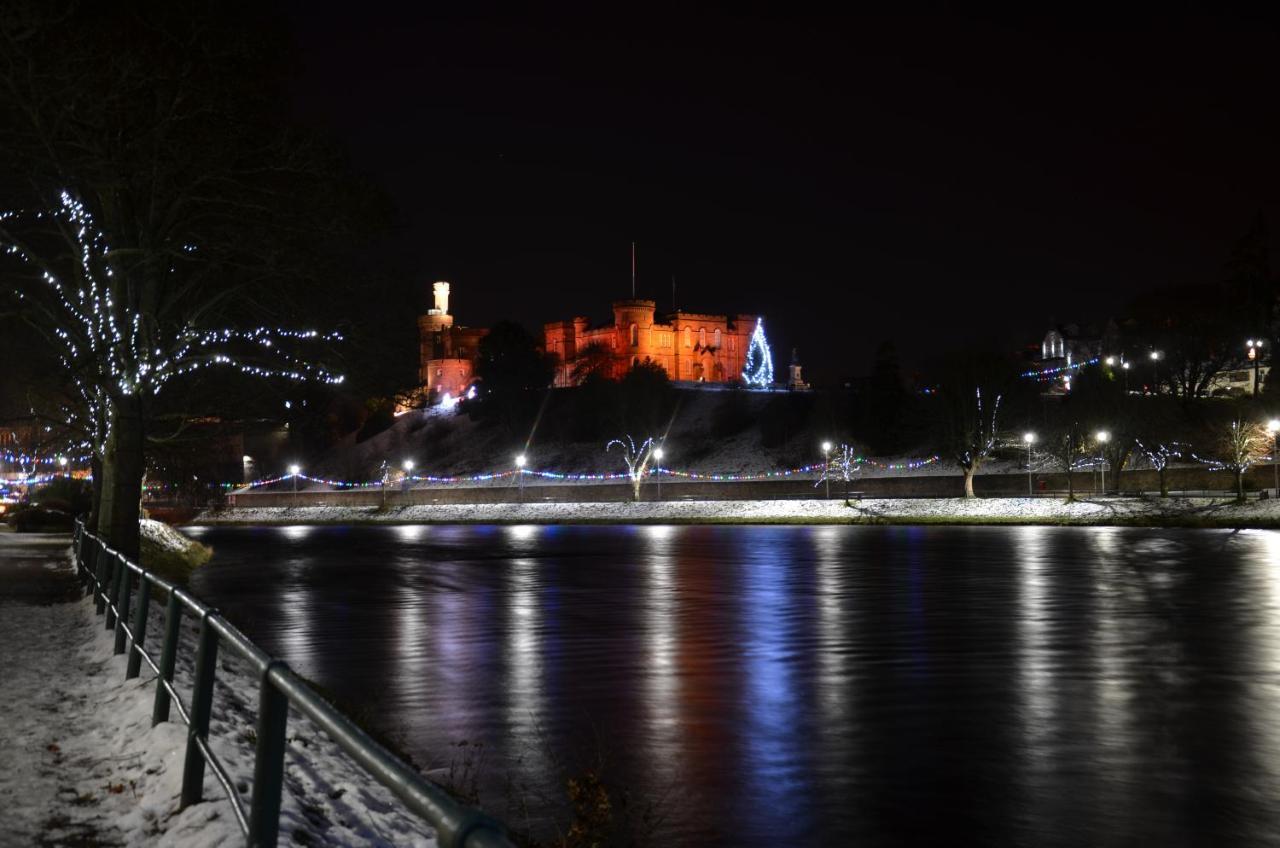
(441, 292)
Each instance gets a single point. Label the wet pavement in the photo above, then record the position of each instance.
(35, 568)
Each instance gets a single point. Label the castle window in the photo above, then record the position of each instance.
(635, 336)
(688, 337)
(702, 337)
(717, 338)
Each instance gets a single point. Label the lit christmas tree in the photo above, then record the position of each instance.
(758, 370)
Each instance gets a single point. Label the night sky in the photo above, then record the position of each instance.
(940, 182)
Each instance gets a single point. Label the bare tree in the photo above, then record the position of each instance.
(842, 465)
(1243, 444)
(637, 458)
(202, 212)
(1064, 445)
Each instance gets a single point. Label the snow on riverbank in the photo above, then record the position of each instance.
(1171, 511)
(82, 764)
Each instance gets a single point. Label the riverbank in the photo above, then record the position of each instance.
(84, 766)
(1117, 511)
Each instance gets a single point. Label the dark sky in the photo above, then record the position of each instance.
(938, 181)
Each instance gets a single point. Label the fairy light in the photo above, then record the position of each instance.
(112, 349)
(758, 368)
(1047, 374)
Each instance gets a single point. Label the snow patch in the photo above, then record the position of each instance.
(80, 762)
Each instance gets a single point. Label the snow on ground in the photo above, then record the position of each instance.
(80, 763)
(1119, 510)
(163, 536)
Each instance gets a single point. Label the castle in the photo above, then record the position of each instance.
(690, 346)
(446, 354)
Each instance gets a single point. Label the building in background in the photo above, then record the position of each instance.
(447, 353)
(691, 347)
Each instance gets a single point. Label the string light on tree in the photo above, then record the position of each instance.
(758, 369)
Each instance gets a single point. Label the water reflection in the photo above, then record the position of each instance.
(832, 685)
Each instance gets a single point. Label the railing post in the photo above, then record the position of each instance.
(268, 763)
(134, 665)
(122, 604)
(113, 593)
(201, 706)
(100, 568)
(168, 657)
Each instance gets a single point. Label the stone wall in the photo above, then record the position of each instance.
(1197, 480)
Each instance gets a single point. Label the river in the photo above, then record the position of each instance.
(784, 685)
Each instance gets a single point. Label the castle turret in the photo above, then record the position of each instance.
(441, 291)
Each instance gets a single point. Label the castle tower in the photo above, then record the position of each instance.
(441, 291)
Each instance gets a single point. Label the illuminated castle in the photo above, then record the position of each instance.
(690, 346)
(446, 353)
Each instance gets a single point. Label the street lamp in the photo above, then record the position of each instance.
(658, 453)
(248, 468)
(1030, 439)
(826, 466)
(294, 471)
(1255, 356)
(1155, 371)
(1103, 437)
(1124, 366)
(1273, 427)
(520, 461)
(408, 466)
(62, 463)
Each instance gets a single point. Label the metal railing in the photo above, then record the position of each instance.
(111, 578)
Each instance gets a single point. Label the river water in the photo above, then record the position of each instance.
(784, 685)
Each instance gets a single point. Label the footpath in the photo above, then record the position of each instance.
(58, 784)
(81, 764)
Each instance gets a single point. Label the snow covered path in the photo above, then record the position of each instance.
(1194, 512)
(80, 763)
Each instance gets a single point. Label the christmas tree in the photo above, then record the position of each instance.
(758, 369)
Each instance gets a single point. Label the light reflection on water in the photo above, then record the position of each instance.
(776, 685)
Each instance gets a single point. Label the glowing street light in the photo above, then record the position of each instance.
(826, 466)
(408, 465)
(294, 471)
(1103, 437)
(1255, 356)
(520, 462)
(1030, 439)
(1124, 366)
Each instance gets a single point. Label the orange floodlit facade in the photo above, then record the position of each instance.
(690, 346)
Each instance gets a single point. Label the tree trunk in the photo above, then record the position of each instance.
(1164, 483)
(1071, 492)
(968, 482)
(123, 465)
(95, 468)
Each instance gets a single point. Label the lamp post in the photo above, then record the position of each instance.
(62, 463)
(826, 466)
(1255, 356)
(1155, 372)
(294, 471)
(1103, 437)
(407, 484)
(248, 468)
(658, 453)
(1273, 427)
(520, 461)
(1030, 439)
(1124, 366)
